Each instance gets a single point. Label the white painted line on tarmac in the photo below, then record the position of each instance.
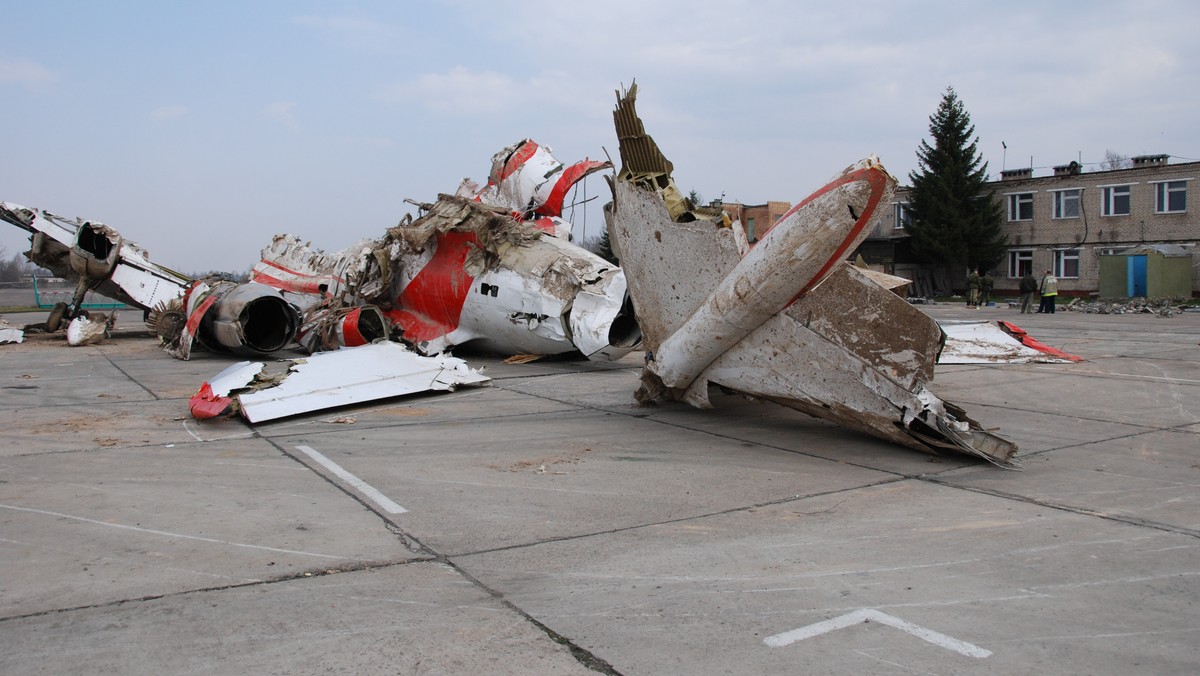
(361, 486)
(872, 615)
(171, 535)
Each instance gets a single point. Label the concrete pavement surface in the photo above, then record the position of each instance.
(548, 524)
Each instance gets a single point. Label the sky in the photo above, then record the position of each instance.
(201, 129)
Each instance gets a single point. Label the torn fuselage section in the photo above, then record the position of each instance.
(466, 273)
(787, 320)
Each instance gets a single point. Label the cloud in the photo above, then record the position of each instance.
(25, 72)
(281, 112)
(168, 112)
(460, 91)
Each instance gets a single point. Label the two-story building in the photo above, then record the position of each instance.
(1064, 223)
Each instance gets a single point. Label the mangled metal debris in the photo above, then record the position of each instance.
(328, 380)
(1161, 307)
(999, 342)
(96, 257)
(787, 320)
(490, 268)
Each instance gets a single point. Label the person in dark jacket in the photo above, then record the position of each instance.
(1028, 287)
(973, 289)
(985, 289)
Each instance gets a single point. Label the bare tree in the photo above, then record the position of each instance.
(1114, 160)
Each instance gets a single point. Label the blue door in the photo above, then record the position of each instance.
(1135, 276)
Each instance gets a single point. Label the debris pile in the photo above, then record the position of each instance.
(1162, 307)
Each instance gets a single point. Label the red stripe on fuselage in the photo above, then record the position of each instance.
(308, 286)
(518, 159)
(431, 305)
(877, 178)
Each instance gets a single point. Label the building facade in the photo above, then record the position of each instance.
(756, 218)
(1065, 222)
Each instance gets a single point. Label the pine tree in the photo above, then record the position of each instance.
(604, 249)
(955, 217)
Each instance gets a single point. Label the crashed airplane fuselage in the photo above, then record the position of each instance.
(490, 268)
(787, 320)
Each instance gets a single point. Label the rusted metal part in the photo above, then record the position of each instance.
(790, 321)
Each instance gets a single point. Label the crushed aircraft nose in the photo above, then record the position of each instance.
(788, 320)
(328, 380)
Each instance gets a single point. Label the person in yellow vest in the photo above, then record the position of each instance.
(1049, 290)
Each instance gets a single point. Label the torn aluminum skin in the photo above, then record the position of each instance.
(790, 321)
(332, 379)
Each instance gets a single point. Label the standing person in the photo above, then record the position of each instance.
(973, 289)
(1029, 286)
(985, 289)
(1049, 290)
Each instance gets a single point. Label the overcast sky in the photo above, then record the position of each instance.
(200, 129)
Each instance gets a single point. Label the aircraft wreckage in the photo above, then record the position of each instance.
(491, 267)
(787, 320)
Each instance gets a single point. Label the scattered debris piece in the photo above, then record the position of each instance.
(999, 342)
(88, 329)
(1162, 307)
(330, 379)
(522, 358)
(789, 320)
(10, 333)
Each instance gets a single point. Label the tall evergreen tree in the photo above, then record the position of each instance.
(604, 249)
(955, 219)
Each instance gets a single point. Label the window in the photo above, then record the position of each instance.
(1020, 263)
(750, 234)
(1066, 203)
(1066, 263)
(903, 215)
(1115, 200)
(1170, 197)
(1020, 207)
